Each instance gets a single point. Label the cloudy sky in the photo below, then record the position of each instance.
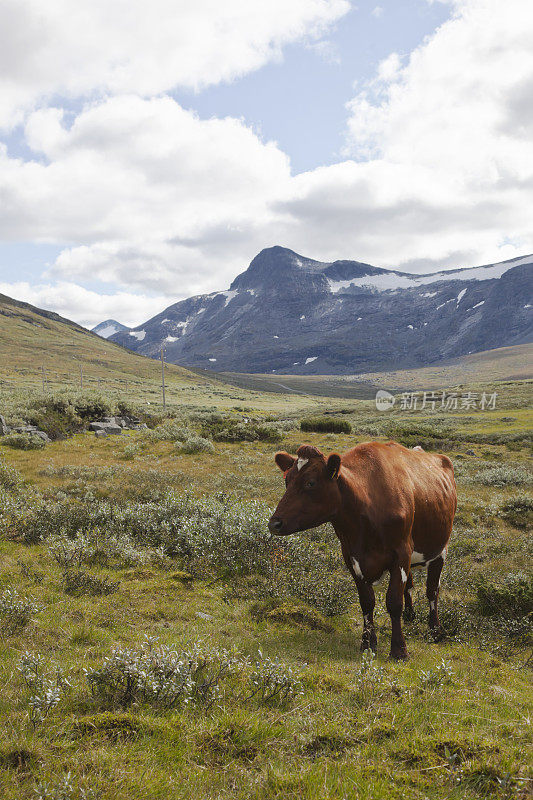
(148, 150)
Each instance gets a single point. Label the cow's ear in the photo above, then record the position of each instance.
(333, 465)
(284, 460)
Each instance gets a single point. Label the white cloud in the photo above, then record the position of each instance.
(449, 149)
(146, 191)
(87, 307)
(377, 11)
(124, 46)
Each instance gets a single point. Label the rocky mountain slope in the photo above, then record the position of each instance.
(108, 328)
(291, 314)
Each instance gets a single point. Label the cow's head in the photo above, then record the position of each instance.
(312, 494)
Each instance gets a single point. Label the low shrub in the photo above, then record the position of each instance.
(93, 546)
(15, 611)
(195, 444)
(22, 441)
(10, 478)
(47, 685)
(312, 571)
(274, 683)
(512, 598)
(92, 406)
(56, 416)
(370, 679)
(518, 511)
(437, 677)
(161, 676)
(505, 476)
(64, 788)
(79, 582)
(231, 429)
(325, 425)
(168, 431)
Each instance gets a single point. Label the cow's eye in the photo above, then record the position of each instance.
(310, 484)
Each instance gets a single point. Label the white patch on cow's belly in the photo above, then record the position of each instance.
(301, 463)
(356, 568)
(417, 558)
(403, 574)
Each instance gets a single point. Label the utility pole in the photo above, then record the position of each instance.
(163, 376)
(81, 376)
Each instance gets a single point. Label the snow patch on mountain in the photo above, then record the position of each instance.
(391, 281)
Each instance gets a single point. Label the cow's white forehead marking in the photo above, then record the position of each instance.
(403, 574)
(301, 463)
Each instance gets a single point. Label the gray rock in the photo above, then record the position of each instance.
(203, 615)
(113, 429)
(4, 430)
(108, 427)
(470, 453)
(97, 426)
(100, 433)
(42, 435)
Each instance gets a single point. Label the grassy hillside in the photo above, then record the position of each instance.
(108, 542)
(32, 339)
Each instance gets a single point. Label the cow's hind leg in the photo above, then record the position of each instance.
(408, 611)
(367, 600)
(432, 593)
(398, 580)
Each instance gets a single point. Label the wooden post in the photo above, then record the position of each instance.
(163, 377)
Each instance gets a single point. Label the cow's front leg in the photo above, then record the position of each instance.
(398, 580)
(432, 592)
(367, 600)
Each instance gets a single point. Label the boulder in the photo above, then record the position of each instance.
(97, 426)
(107, 427)
(32, 430)
(100, 433)
(4, 430)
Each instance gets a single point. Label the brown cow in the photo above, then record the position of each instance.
(392, 508)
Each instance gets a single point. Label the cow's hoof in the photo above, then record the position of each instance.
(438, 633)
(409, 614)
(399, 654)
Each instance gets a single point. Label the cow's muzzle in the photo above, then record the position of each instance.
(275, 525)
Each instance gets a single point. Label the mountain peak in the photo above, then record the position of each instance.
(272, 266)
(108, 328)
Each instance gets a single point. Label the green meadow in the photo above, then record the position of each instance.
(157, 643)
